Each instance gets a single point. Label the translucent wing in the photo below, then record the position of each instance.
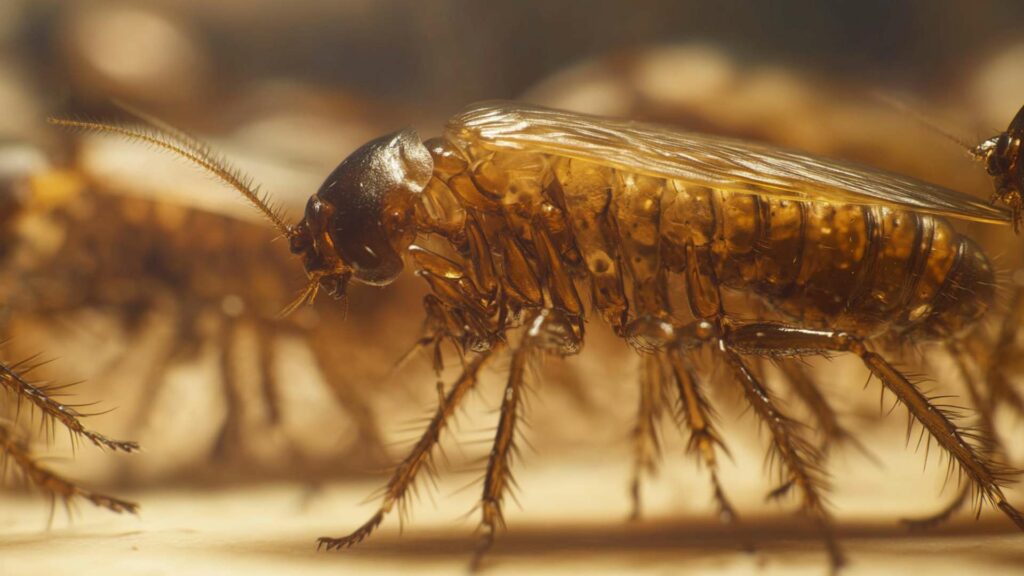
(720, 163)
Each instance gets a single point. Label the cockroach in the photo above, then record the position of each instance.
(20, 387)
(213, 275)
(524, 222)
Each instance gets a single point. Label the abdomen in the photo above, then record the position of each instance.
(842, 266)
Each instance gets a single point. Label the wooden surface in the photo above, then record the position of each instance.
(570, 519)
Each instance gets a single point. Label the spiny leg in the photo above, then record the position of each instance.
(985, 474)
(828, 421)
(14, 448)
(405, 473)
(704, 439)
(498, 476)
(13, 378)
(548, 331)
(986, 426)
(800, 458)
(646, 448)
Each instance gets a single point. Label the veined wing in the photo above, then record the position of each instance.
(716, 162)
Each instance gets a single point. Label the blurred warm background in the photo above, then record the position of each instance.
(159, 290)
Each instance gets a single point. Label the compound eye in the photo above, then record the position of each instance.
(300, 241)
(998, 162)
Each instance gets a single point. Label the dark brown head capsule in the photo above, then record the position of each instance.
(361, 219)
(1003, 155)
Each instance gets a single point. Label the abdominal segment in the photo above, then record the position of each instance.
(624, 240)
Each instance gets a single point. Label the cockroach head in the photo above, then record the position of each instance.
(361, 219)
(1003, 155)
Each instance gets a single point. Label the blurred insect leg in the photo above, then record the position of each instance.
(230, 435)
(348, 393)
(405, 473)
(12, 377)
(14, 448)
(646, 448)
(800, 458)
(154, 381)
(704, 438)
(983, 404)
(826, 417)
(987, 475)
(1004, 355)
(267, 359)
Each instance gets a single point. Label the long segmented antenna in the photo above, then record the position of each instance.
(159, 134)
(902, 107)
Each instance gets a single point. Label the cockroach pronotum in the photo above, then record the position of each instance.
(525, 221)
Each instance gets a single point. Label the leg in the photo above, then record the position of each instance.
(800, 459)
(154, 380)
(268, 371)
(42, 397)
(826, 417)
(1003, 355)
(229, 438)
(985, 474)
(14, 448)
(548, 331)
(353, 401)
(704, 438)
(498, 477)
(986, 427)
(661, 340)
(405, 474)
(646, 447)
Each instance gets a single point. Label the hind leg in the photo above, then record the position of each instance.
(986, 427)
(986, 475)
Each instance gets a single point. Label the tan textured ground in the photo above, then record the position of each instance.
(570, 520)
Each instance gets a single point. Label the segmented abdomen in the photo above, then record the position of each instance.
(635, 238)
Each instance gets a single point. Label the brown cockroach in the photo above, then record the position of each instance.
(19, 385)
(525, 221)
(188, 264)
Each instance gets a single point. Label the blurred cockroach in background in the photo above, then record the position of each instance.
(26, 400)
(525, 220)
(204, 277)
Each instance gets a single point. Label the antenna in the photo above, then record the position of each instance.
(929, 123)
(162, 135)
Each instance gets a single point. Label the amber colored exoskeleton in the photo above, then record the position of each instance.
(524, 222)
